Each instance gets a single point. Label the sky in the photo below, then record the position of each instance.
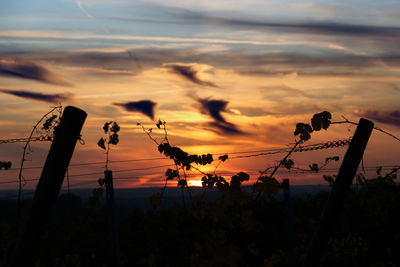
(226, 76)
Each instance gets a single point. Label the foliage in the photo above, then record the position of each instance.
(321, 120)
(316, 168)
(330, 179)
(5, 164)
(245, 226)
(182, 158)
(183, 162)
(387, 179)
(111, 130)
(49, 121)
(266, 185)
(303, 131)
(226, 233)
(318, 121)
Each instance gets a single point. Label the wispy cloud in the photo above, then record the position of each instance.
(30, 34)
(213, 108)
(29, 70)
(268, 63)
(323, 28)
(391, 117)
(45, 35)
(224, 128)
(191, 16)
(79, 3)
(381, 38)
(179, 15)
(291, 91)
(49, 98)
(190, 72)
(145, 107)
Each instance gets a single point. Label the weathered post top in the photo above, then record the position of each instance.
(66, 135)
(340, 189)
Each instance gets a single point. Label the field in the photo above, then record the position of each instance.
(222, 223)
(216, 231)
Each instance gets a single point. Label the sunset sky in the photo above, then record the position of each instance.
(226, 76)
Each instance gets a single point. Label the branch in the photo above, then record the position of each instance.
(148, 133)
(283, 160)
(375, 128)
(20, 177)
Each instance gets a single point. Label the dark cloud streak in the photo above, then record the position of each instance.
(224, 128)
(175, 15)
(322, 28)
(189, 73)
(145, 107)
(261, 63)
(271, 64)
(317, 27)
(29, 70)
(213, 108)
(49, 98)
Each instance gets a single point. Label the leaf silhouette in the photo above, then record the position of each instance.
(101, 143)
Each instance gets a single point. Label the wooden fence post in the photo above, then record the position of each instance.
(112, 225)
(339, 192)
(289, 222)
(48, 188)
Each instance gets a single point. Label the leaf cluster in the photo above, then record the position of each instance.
(209, 181)
(182, 158)
(111, 129)
(266, 186)
(171, 174)
(5, 164)
(316, 168)
(49, 123)
(318, 121)
(387, 178)
(231, 191)
(287, 163)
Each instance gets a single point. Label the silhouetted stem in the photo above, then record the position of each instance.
(375, 128)
(285, 158)
(24, 159)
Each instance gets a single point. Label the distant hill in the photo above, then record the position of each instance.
(171, 192)
(128, 200)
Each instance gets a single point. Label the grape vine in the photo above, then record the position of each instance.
(265, 186)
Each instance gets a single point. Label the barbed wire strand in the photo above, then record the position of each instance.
(251, 172)
(262, 152)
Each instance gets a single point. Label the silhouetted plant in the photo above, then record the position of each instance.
(5, 165)
(183, 162)
(50, 122)
(46, 132)
(265, 186)
(111, 130)
(235, 230)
